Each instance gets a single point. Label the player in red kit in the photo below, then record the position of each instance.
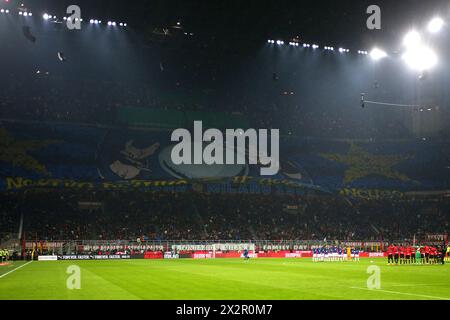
(433, 254)
(407, 255)
(422, 253)
(395, 249)
(390, 253)
(402, 254)
(413, 254)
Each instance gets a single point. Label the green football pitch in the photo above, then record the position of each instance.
(223, 279)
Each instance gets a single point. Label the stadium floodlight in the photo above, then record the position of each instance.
(46, 16)
(435, 25)
(420, 59)
(20, 13)
(30, 14)
(2, 10)
(91, 21)
(377, 54)
(315, 46)
(412, 39)
(124, 24)
(114, 23)
(109, 23)
(7, 11)
(121, 24)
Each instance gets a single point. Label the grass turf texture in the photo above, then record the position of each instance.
(223, 279)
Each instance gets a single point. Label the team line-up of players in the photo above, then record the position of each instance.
(396, 254)
(335, 254)
(417, 255)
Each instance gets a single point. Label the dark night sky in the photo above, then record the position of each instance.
(243, 22)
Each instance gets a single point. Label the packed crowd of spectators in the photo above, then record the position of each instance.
(58, 215)
(52, 98)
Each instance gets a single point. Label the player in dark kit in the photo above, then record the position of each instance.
(246, 256)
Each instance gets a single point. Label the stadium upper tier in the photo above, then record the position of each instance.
(299, 92)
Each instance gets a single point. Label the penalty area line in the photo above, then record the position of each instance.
(4, 275)
(403, 293)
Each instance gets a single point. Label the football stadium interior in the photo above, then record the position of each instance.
(90, 98)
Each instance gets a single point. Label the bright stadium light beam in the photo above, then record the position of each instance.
(377, 54)
(412, 39)
(435, 25)
(420, 59)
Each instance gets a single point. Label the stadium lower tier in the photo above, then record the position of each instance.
(158, 216)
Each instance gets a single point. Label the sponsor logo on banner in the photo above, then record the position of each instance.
(171, 255)
(47, 258)
(202, 256)
(376, 254)
(293, 255)
(94, 257)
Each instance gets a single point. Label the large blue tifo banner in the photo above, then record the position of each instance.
(76, 156)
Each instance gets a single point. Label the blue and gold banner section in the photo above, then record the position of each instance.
(242, 185)
(237, 185)
(83, 157)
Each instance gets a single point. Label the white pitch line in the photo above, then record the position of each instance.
(404, 293)
(4, 275)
